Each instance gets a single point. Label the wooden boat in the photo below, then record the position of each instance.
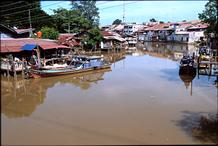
(187, 66)
(79, 64)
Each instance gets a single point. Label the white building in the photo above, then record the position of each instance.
(186, 36)
(130, 29)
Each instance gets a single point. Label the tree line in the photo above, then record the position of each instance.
(82, 18)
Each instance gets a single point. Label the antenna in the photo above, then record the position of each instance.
(124, 11)
(31, 32)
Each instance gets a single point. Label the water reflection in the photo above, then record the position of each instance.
(169, 50)
(187, 79)
(20, 97)
(173, 51)
(135, 104)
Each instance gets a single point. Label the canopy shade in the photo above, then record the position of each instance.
(28, 47)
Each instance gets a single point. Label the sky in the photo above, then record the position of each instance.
(139, 11)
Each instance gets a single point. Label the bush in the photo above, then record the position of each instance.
(49, 33)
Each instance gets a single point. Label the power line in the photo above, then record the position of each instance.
(33, 18)
(29, 9)
(41, 19)
(11, 4)
(19, 7)
(19, 20)
(117, 5)
(103, 3)
(59, 2)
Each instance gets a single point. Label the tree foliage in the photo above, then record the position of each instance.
(70, 21)
(82, 18)
(16, 13)
(153, 20)
(94, 36)
(90, 18)
(117, 21)
(209, 15)
(88, 10)
(49, 33)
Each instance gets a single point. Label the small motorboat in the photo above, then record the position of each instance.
(187, 66)
(79, 64)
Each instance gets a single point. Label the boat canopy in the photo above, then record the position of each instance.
(87, 57)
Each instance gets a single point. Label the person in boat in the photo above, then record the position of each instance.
(33, 61)
(187, 60)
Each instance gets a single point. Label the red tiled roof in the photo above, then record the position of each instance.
(161, 26)
(185, 25)
(199, 26)
(106, 33)
(14, 45)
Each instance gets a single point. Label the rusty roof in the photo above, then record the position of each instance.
(14, 45)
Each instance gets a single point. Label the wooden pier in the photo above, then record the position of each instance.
(208, 67)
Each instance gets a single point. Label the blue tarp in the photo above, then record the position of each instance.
(28, 47)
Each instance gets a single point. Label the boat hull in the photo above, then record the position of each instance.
(187, 70)
(46, 73)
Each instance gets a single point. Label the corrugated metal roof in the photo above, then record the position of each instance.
(20, 31)
(68, 40)
(14, 45)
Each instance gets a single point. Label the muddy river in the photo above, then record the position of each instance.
(140, 100)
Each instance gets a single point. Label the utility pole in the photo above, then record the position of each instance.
(31, 32)
(68, 27)
(123, 11)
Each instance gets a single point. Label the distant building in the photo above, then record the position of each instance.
(119, 29)
(188, 33)
(159, 32)
(185, 32)
(131, 29)
(111, 40)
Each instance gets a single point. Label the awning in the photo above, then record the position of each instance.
(28, 47)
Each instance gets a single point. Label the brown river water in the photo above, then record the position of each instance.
(140, 100)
